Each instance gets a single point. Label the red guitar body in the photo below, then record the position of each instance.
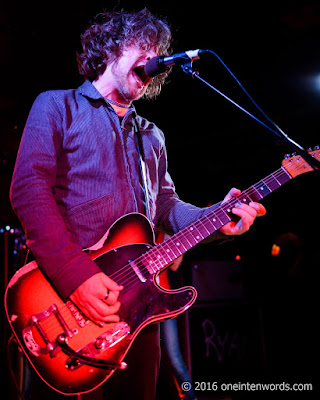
(38, 316)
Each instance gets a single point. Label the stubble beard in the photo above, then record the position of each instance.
(123, 87)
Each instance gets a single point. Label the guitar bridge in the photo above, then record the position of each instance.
(35, 323)
(88, 354)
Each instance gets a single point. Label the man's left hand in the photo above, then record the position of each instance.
(246, 212)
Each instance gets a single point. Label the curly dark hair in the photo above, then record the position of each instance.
(110, 32)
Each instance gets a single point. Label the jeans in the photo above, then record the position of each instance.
(171, 350)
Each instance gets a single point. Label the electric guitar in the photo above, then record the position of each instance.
(74, 355)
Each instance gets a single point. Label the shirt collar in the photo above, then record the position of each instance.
(88, 90)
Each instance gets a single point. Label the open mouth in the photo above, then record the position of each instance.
(140, 73)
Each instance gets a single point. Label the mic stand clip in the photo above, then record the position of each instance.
(188, 69)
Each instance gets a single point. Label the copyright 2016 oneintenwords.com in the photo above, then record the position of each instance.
(246, 386)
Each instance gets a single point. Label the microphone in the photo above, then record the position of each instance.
(160, 64)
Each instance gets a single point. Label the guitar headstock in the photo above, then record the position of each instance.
(295, 165)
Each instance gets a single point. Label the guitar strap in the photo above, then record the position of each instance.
(142, 166)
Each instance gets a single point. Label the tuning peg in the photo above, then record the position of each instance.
(309, 149)
(293, 154)
(316, 148)
(286, 156)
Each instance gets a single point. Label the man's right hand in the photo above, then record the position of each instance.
(97, 298)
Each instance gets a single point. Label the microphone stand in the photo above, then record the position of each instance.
(296, 147)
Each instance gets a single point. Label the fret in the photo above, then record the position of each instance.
(170, 250)
(188, 234)
(179, 243)
(273, 183)
(163, 254)
(216, 220)
(211, 222)
(188, 245)
(262, 188)
(276, 179)
(205, 231)
(153, 264)
(180, 246)
(166, 253)
(284, 177)
(222, 215)
(196, 232)
(201, 230)
(255, 193)
(160, 255)
(245, 197)
(146, 263)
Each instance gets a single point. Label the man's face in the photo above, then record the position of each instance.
(127, 73)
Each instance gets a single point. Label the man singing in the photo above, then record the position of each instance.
(78, 171)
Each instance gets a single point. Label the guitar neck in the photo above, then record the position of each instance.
(166, 252)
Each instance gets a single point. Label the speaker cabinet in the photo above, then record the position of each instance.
(226, 342)
(217, 280)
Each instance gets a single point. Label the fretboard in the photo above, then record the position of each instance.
(166, 252)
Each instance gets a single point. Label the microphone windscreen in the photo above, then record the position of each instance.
(153, 67)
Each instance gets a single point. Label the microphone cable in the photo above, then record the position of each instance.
(246, 93)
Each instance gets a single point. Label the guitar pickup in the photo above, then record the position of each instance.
(137, 271)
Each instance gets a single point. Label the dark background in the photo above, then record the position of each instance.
(273, 49)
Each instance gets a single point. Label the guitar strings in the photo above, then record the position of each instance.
(126, 274)
(121, 273)
(269, 181)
